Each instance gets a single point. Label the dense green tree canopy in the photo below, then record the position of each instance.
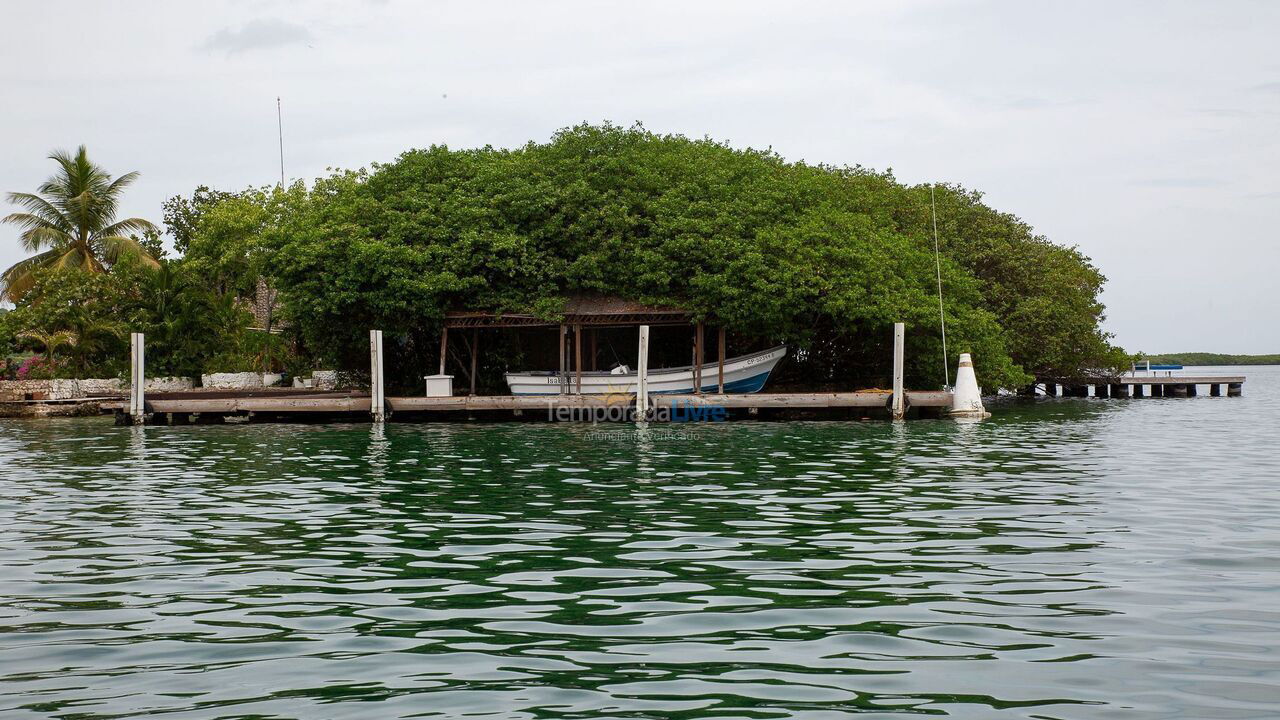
(824, 258)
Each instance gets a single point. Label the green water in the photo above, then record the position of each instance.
(1068, 559)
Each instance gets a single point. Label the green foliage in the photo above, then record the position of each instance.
(188, 325)
(74, 318)
(233, 240)
(182, 216)
(1203, 358)
(82, 321)
(823, 258)
(71, 223)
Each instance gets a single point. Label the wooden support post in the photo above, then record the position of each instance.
(1215, 390)
(1101, 390)
(137, 378)
(898, 407)
(1119, 391)
(1157, 390)
(1235, 389)
(577, 359)
(475, 357)
(560, 346)
(698, 352)
(720, 361)
(377, 395)
(444, 347)
(1191, 389)
(642, 375)
(1139, 390)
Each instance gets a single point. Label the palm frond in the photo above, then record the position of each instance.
(36, 232)
(119, 184)
(118, 246)
(50, 340)
(40, 207)
(127, 226)
(36, 239)
(76, 257)
(18, 280)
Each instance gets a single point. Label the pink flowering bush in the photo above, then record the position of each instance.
(35, 368)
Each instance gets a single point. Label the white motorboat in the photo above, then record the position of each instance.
(744, 374)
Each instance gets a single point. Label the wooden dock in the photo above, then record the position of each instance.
(1138, 386)
(182, 408)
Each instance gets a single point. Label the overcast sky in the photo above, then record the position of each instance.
(1144, 132)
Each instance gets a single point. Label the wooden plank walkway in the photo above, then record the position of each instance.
(333, 403)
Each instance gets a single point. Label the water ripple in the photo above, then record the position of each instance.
(1073, 559)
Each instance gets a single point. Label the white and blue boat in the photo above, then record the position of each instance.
(744, 374)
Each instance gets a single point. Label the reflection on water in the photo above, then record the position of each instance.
(1068, 559)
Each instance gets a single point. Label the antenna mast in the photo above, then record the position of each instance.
(280, 130)
(937, 261)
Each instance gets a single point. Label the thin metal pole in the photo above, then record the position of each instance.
(563, 353)
(720, 349)
(475, 351)
(280, 130)
(699, 352)
(577, 359)
(937, 260)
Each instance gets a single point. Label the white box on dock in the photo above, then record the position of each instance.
(439, 385)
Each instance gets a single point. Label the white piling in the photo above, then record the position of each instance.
(642, 375)
(137, 378)
(377, 398)
(966, 399)
(899, 408)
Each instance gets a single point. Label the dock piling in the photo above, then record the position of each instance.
(898, 408)
(137, 378)
(1235, 389)
(377, 398)
(642, 375)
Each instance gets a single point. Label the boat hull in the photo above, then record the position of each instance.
(745, 374)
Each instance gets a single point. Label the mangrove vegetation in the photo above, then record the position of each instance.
(820, 257)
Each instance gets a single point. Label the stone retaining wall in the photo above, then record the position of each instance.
(232, 381)
(66, 389)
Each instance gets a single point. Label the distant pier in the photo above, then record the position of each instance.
(1137, 386)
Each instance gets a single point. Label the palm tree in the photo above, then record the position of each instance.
(71, 222)
(51, 341)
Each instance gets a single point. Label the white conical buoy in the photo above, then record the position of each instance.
(966, 399)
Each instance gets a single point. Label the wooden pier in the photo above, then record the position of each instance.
(181, 408)
(1137, 386)
(570, 403)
